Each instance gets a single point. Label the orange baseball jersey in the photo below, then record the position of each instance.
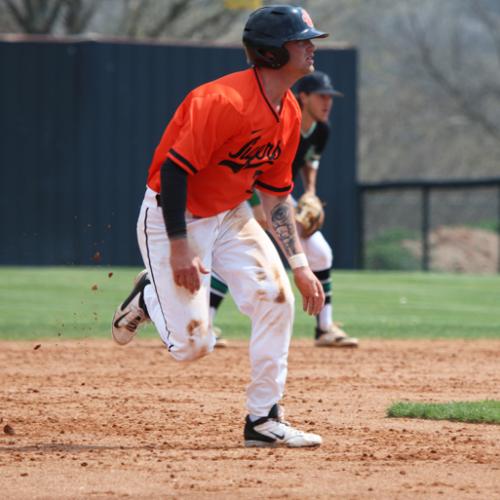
(229, 139)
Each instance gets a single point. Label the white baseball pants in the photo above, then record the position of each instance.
(318, 251)
(235, 246)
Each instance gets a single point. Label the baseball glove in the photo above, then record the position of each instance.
(309, 214)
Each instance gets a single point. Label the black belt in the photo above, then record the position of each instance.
(158, 202)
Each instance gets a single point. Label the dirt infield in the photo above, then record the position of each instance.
(93, 420)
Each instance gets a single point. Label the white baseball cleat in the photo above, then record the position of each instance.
(219, 340)
(131, 313)
(334, 336)
(273, 431)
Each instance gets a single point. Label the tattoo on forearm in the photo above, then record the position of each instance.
(284, 227)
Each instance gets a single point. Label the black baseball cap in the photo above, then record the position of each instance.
(317, 83)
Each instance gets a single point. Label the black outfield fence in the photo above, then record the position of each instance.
(79, 120)
(403, 210)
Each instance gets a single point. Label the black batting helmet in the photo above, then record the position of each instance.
(269, 28)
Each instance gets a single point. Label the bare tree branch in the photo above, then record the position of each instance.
(173, 13)
(136, 16)
(51, 15)
(30, 10)
(16, 13)
(78, 15)
(465, 104)
(139, 17)
(488, 21)
(224, 17)
(36, 17)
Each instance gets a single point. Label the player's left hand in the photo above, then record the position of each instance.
(313, 296)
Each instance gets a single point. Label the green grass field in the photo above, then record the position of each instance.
(487, 411)
(46, 302)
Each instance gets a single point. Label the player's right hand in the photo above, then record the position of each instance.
(313, 296)
(186, 265)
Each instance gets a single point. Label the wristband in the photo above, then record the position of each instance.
(298, 260)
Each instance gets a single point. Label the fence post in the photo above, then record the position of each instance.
(425, 188)
(425, 228)
(498, 230)
(361, 228)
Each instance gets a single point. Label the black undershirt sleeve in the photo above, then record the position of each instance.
(322, 139)
(173, 198)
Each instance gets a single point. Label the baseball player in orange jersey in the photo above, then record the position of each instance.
(227, 138)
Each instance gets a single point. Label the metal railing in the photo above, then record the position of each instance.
(425, 187)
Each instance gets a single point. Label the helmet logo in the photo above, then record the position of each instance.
(307, 18)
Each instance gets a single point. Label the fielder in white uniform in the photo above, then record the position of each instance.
(227, 138)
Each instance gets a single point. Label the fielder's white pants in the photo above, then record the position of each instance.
(235, 246)
(318, 251)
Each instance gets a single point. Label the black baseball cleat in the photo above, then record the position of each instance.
(131, 313)
(273, 431)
